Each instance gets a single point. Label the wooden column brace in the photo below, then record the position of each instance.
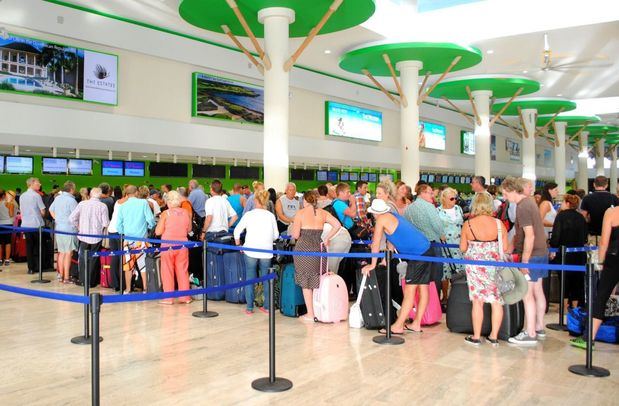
(381, 87)
(551, 121)
(509, 102)
(395, 80)
(449, 68)
(524, 127)
(234, 39)
(578, 133)
(312, 34)
(477, 119)
(235, 8)
(462, 113)
(423, 84)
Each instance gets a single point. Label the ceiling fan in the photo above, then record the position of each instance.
(549, 62)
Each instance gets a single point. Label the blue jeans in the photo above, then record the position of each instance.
(251, 264)
(536, 274)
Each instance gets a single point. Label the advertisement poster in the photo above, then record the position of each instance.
(354, 122)
(42, 68)
(227, 99)
(432, 135)
(467, 142)
(547, 157)
(513, 149)
(492, 148)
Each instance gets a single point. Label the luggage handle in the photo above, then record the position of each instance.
(326, 272)
(361, 287)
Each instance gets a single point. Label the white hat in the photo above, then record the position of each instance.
(379, 207)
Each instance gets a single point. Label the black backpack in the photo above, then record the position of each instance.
(329, 209)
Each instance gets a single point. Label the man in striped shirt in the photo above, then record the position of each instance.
(359, 196)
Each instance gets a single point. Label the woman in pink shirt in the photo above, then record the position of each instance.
(174, 224)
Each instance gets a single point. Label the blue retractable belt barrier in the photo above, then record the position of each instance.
(297, 253)
(46, 295)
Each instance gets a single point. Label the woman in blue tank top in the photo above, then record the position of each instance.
(237, 201)
(406, 239)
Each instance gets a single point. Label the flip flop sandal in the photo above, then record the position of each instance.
(384, 331)
(412, 330)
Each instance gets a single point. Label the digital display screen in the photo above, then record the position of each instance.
(424, 178)
(373, 178)
(134, 168)
(332, 176)
(385, 176)
(354, 122)
(457, 180)
(55, 165)
(430, 178)
(467, 142)
(365, 176)
(1, 164)
(463, 179)
(80, 166)
(112, 168)
(344, 176)
(468, 179)
(321, 176)
(18, 164)
(354, 176)
(432, 135)
(450, 179)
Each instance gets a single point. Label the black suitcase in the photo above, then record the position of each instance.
(397, 294)
(152, 265)
(349, 266)
(459, 313)
(371, 302)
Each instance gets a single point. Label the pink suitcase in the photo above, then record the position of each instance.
(433, 312)
(331, 298)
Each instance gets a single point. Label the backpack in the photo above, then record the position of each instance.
(329, 209)
(502, 214)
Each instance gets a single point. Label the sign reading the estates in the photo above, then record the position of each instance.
(355, 122)
(37, 67)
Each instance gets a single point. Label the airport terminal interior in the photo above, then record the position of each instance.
(235, 147)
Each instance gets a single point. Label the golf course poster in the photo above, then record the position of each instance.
(227, 99)
(43, 68)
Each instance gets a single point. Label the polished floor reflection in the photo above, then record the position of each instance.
(160, 355)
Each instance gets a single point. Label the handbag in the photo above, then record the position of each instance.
(510, 282)
(358, 232)
(355, 317)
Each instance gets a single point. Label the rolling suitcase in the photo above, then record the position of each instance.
(106, 270)
(18, 243)
(74, 270)
(459, 313)
(215, 275)
(292, 303)
(433, 312)
(331, 297)
(371, 302)
(234, 265)
(152, 264)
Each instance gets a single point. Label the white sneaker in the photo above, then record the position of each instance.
(523, 339)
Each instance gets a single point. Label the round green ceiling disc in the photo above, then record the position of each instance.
(543, 105)
(435, 56)
(595, 130)
(212, 14)
(570, 120)
(502, 86)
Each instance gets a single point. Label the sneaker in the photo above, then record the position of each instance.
(7, 262)
(263, 310)
(523, 339)
(473, 341)
(492, 342)
(541, 334)
(580, 343)
(249, 312)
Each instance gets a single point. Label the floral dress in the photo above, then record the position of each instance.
(480, 278)
(453, 228)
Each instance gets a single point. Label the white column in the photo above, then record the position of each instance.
(560, 155)
(583, 173)
(613, 171)
(276, 22)
(481, 98)
(409, 121)
(529, 117)
(599, 158)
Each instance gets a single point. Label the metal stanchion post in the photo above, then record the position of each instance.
(40, 280)
(388, 338)
(86, 338)
(561, 325)
(205, 313)
(588, 369)
(95, 309)
(272, 383)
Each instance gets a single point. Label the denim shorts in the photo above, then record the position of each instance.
(536, 274)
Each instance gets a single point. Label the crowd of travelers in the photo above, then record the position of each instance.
(511, 222)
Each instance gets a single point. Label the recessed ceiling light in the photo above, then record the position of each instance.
(327, 51)
(525, 71)
(490, 51)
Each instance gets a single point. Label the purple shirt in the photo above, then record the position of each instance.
(90, 217)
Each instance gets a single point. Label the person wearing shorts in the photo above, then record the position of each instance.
(61, 210)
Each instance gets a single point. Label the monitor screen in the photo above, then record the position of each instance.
(468, 179)
(430, 178)
(80, 166)
(373, 178)
(354, 122)
(433, 135)
(321, 176)
(243, 172)
(344, 176)
(457, 180)
(55, 165)
(18, 164)
(301, 174)
(354, 176)
(1, 164)
(463, 179)
(385, 176)
(364, 176)
(450, 179)
(209, 171)
(168, 169)
(111, 168)
(332, 176)
(424, 178)
(134, 168)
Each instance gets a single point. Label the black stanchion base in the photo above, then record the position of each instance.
(556, 327)
(265, 384)
(382, 339)
(596, 372)
(40, 281)
(205, 315)
(81, 340)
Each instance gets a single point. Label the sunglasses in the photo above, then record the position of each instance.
(451, 199)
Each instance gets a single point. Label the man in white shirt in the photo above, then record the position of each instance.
(220, 215)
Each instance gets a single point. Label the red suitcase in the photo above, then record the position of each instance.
(18, 243)
(106, 270)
